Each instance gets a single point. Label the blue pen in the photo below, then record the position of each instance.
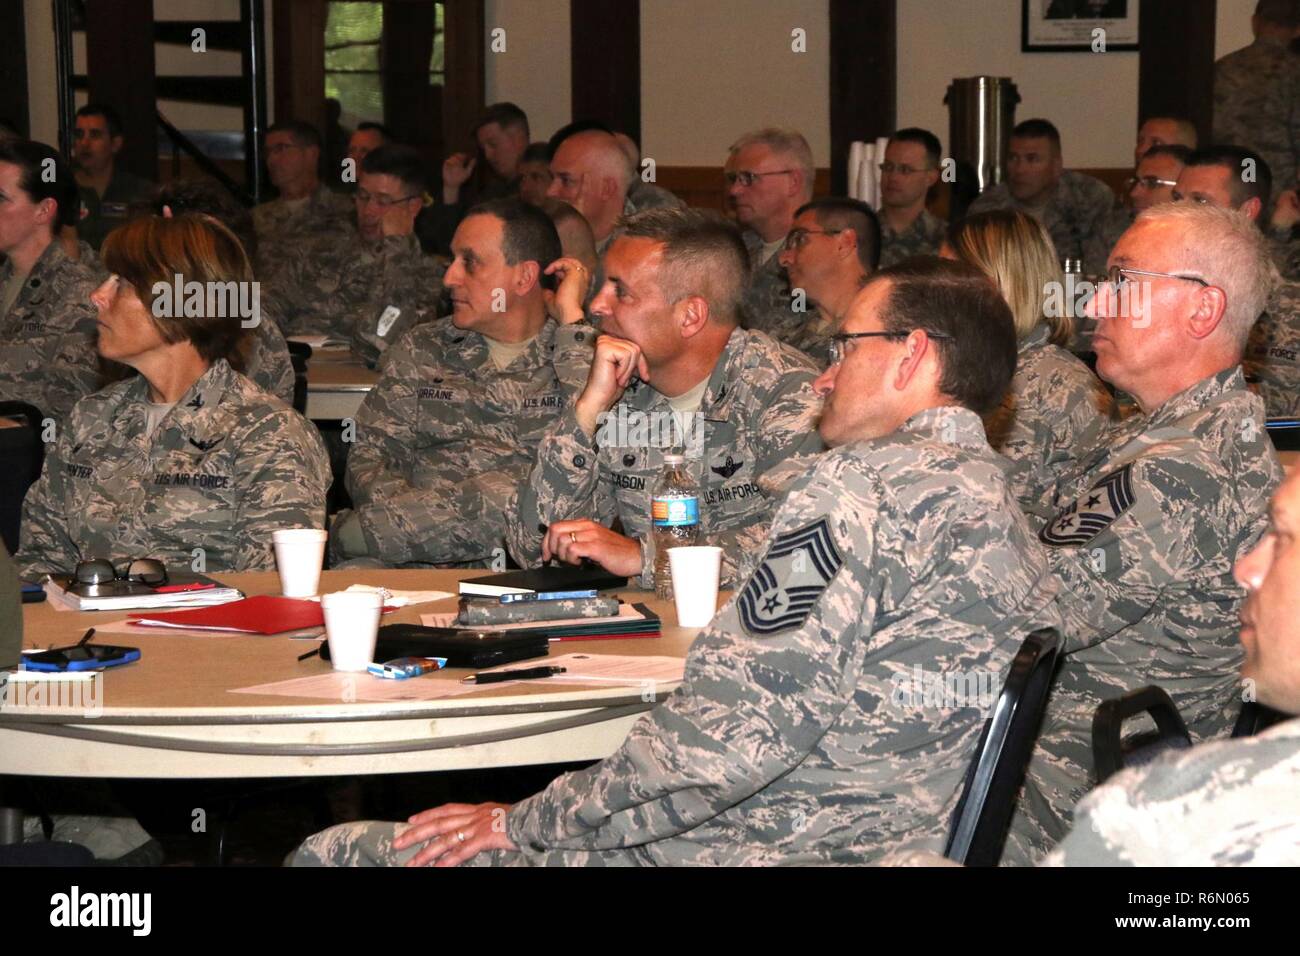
(548, 596)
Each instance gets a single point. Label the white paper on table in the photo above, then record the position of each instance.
(340, 686)
(626, 612)
(606, 668)
(400, 598)
(319, 341)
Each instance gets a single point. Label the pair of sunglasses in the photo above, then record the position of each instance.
(148, 571)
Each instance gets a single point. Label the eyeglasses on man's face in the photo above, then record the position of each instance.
(1149, 182)
(1117, 276)
(747, 177)
(841, 346)
(363, 198)
(798, 238)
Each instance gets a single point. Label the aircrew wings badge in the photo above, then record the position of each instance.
(795, 571)
(1092, 512)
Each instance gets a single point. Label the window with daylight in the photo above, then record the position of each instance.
(355, 57)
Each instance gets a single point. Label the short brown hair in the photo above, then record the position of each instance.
(153, 250)
(703, 255)
(958, 302)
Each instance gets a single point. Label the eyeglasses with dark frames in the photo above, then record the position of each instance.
(747, 178)
(839, 347)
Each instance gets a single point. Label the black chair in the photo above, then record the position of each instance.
(299, 353)
(1111, 753)
(1285, 433)
(988, 797)
(23, 452)
(1255, 718)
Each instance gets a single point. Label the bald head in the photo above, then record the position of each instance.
(1163, 131)
(590, 171)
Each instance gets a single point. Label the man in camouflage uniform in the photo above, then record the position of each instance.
(769, 174)
(1073, 207)
(223, 469)
(1152, 183)
(908, 173)
(47, 322)
(1257, 91)
(799, 734)
(453, 425)
(672, 372)
(306, 207)
(590, 172)
(1213, 176)
(829, 253)
(371, 284)
(1145, 533)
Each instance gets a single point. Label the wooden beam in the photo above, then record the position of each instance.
(1176, 62)
(605, 59)
(863, 82)
(465, 43)
(298, 29)
(120, 66)
(13, 68)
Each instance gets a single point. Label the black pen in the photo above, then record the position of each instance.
(85, 637)
(311, 653)
(496, 677)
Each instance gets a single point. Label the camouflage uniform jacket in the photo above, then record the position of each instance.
(1226, 803)
(1074, 214)
(754, 430)
(1144, 543)
(282, 229)
(263, 356)
(922, 238)
(342, 287)
(803, 731)
(49, 357)
(445, 437)
(1257, 105)
(225, 467)
(644, 195)
(1273, 356)
(1055, 412)
(100, 215)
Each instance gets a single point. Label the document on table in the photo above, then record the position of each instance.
(626, 612)
(349, 687)
(606, 669)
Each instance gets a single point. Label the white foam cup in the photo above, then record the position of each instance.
(351, 625)
(695, 571)
(299, 554)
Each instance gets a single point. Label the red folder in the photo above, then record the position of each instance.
(255, 615)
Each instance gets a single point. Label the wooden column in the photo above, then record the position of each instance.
(120, 70)
(606, 63)
(299, 38)
(863, 83)
(13, 68)
(1176, 69)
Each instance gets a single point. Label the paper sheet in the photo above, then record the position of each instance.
(124, 626)
(403, 598)
(347, 687)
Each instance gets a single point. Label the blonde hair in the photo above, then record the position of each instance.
(1016, 252)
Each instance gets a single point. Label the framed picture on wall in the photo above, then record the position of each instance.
(1049, 26)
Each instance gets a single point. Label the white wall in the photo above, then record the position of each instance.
(533, 72)
(1232, 26)
(712, 70)
(1091, 97)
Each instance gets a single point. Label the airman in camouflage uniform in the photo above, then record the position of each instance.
(286, 229)
(49, 334)
(768, 300)
(1054, 414)
(758, 413)
(226, 466)
(922, 238)
(797, 736)
(445, 437)
(347, 288)
(1272, 360)
(1076, 211)
(1257, 102)
(804, 730)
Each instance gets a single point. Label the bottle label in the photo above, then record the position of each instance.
(672, 512)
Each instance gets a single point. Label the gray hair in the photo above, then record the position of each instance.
(786, 142)
(1226, 249)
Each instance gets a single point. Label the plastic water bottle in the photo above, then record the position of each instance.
(674, 516)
